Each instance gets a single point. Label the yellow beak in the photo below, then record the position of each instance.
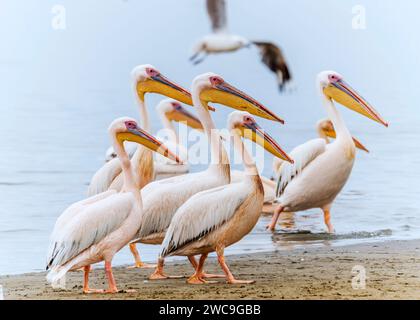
(344, 94)
(255, 133)
(142, 137)
(229, 96)
(332, 134)
(180, 114)
(166, 87)
(162, 85)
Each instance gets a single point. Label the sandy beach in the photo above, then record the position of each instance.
(391, 268)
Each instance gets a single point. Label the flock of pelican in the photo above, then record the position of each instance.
(194, 214)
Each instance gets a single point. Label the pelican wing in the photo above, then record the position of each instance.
(216, 10)
(201, 214)
(103, 178)
(272, 57)
(162, 198)
(302, 155)
(88, 227)
(77, 208)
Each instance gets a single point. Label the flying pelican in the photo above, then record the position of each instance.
(214, 219)
(321, 170)
(94, 229)
(162, 198)
(145, 79)
(222, 41)
(325, 130)
(171, 110)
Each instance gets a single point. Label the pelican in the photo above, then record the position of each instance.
(94, 229)
(145, 79)
(162, 198)
(325, 130)
(321, 170)
(214, 219)
(170, 110)
(221, 40)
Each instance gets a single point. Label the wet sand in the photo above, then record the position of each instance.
(392, 270)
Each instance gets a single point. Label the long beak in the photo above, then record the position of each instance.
(344, 94)
(182, 115)
(357, 143)
(162, 85)
(255, 133)
(230, 96)
(142, 137)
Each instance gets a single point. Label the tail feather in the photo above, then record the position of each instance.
(57, 277)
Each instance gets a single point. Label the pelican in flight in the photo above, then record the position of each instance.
(145, 79)
(221, 40)
(162, 198)
(170, 110)
(325, 130)
(321, 170)
(214, 219)
(95, 229)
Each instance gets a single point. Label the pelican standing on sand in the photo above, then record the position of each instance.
(321, 170)
(95, 229)
(214, 219)
(145, 79)
(170, 110)
(325, 130)
(221, 40)
(162, 198)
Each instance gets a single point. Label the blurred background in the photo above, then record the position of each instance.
(60, 89)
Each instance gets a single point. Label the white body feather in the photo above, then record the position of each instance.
(162, 198)
(269, 185)
(318, 175)
(216, 217)
(91, 231)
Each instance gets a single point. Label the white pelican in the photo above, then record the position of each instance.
(145, 79)
(162, 198)
(94, 229)
(325, 130)
(214, 219)
(170, 110)
(222, 41)
(321, 170)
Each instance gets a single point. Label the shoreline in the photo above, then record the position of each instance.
(391, 269)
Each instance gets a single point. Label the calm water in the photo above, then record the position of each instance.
(59, 90)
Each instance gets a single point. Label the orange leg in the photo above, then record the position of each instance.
(229, 275)
(138, 263)
(327, 219)
(272, 225)
(111, 281)
(204, 274)
(197, 277)
(193, 262)
(158, 273)
(86, 288)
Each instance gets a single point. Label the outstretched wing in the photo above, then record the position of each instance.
(302, 156)
(216, 10)
(201, 214)
(88, 227)
(272, 57)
